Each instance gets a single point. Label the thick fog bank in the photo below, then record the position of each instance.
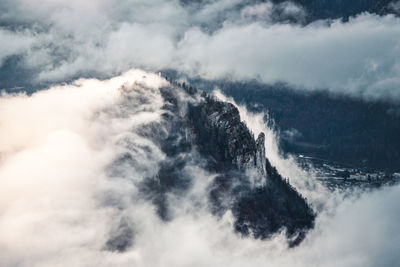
(65, 194)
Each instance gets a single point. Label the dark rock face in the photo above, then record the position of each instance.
(199, 126)
(262, 202)
(260, 154)
(221, 135)
(263, 211)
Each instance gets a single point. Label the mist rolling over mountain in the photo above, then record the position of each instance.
(199, 133)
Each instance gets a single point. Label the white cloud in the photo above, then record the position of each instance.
(342, 57)
(216, 40)
(260, 11)
(56, 146)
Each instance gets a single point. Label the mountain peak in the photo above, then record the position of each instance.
(245, 183)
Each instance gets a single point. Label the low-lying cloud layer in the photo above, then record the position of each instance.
(211, 39)
(61, 196)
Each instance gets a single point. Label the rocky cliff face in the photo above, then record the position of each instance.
(202, 129)
(262, 202)
(222, 136)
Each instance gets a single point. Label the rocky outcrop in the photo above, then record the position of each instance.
(261, 201)
(224, 137)
(260, 156)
